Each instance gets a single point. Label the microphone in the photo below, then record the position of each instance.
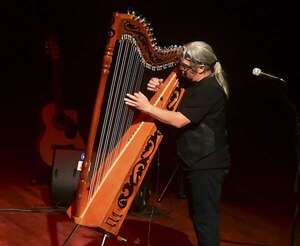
(257, 72)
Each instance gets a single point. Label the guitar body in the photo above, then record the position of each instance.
(60, 124)
(60, 132)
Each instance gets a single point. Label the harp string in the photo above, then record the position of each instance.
(124, 114)
(105, 133)
(134, 80)
(127, 77)
(121, 109)
(120, 114)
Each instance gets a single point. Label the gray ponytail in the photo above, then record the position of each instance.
(219, 74)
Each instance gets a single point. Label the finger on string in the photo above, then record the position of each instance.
(155, 79)
(153, 84)
(151, 87)
(127, 100)
(130, 104)
(130, 96)
(133, 99)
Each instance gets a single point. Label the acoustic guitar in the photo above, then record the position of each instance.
(60, 124)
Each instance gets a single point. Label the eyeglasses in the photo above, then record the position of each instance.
(184, 67)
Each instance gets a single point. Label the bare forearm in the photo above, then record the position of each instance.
(139, 101)
(172, 118)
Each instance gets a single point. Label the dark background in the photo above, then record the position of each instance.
(244, 34)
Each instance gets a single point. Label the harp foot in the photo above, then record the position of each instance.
(122, 239)
(105, 236)
(119, 238)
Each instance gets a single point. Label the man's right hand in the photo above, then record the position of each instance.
(154, 84)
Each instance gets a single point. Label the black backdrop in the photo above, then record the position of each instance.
(244, 34)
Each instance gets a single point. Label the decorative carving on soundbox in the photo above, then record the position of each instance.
(138, 170)
(174, 99)
(134, 178)
(114, 219)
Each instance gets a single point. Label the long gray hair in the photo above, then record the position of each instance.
(201, 53)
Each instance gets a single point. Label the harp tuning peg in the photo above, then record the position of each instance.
(131, 12)
(147, 25)
(154, 39)
(150, 34)
(139, 17)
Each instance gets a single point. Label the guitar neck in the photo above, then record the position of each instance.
(57, 88)
(53, 50)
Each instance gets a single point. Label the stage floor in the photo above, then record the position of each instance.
(254, 211)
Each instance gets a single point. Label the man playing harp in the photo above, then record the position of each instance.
(202, 145)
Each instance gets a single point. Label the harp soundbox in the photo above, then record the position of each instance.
(122, 142)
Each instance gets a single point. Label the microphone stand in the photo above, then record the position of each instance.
(297, 146)
(296, 182)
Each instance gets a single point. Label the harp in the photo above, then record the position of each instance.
(122, 142)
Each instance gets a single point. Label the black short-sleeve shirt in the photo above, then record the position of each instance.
(202, 144)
